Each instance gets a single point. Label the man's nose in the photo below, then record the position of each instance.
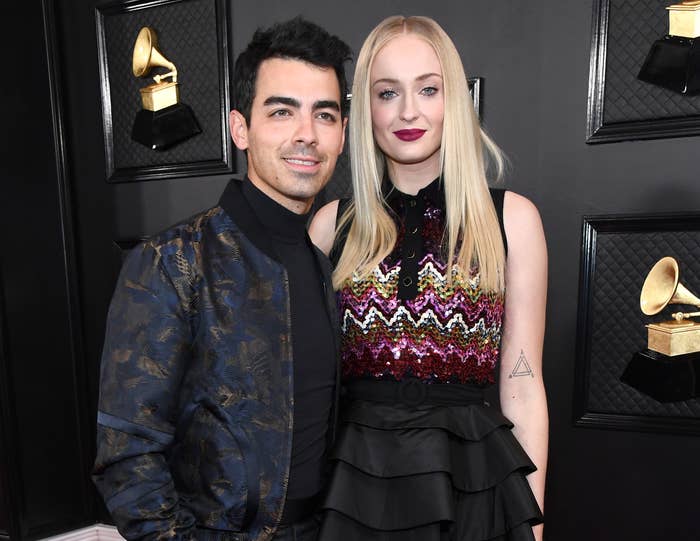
(306, 130)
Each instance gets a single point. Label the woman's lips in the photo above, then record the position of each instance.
(409, 135)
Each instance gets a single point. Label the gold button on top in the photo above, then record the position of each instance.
(412, 203)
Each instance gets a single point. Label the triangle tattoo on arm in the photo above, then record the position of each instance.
(522, 367)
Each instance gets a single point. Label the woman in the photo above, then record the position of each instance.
(431, 309)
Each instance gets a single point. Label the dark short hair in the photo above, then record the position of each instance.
(296, 39)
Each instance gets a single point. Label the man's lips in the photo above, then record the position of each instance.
(301, 161)
(409, 135)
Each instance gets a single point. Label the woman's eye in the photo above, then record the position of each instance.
(429, 91)
(387, 94)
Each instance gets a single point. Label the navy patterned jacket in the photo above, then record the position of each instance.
(196, 393)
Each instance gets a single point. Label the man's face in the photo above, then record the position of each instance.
(295, 132)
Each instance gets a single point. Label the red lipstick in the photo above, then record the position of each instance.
(409, 135)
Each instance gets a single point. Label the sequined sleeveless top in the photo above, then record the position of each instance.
(405, 320)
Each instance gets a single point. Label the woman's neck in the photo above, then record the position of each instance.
(411, 178)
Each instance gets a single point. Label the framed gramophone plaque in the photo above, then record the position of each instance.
(618, 254)
(165, 90)
(621, 107)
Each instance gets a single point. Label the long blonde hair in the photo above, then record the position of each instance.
(471, 217)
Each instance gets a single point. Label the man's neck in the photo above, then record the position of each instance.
(297, 206)
(281, 222)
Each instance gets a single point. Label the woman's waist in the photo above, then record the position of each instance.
(461, 368)
(412, 391)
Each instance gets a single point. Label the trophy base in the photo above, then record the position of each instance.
(664, 378)
(160, 130)
(674, 338)
(673, 62)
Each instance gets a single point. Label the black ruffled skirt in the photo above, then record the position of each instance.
(417, 468)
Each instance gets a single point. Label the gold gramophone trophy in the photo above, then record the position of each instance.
(163, 121)
(662, 287)
(669, 369)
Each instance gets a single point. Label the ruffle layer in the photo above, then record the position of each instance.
(471, 465)
(430, 472)
(467, 422)
(337, 527)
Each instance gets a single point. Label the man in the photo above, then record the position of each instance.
(219, 373)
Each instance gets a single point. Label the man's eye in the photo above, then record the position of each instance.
(387, 94)
(280, 112)
(330, 117)
(429, 91)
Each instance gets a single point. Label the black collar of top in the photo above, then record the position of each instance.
(433, 192)
(280, 222)
(239, 209)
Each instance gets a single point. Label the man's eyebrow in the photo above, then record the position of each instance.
(282, 100)
(326, 104)
(293, 102)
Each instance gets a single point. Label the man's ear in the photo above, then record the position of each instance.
(239, 129)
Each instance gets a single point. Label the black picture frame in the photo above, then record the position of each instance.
(622, 34)
(617, 252)
(194, 34)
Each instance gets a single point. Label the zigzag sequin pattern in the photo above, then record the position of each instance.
(446, 334)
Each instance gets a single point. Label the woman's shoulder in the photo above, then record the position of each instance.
(521, 221)
(519, 208)
(322, 227)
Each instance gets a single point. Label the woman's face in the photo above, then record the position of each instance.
(407, 104)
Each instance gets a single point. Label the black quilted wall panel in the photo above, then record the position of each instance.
(633, 25)
(618, 262)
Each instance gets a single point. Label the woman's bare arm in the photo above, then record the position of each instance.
(522, 392)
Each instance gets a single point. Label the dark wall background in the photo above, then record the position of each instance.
(534, 58)
(42, 386)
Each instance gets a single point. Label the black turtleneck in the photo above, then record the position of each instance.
(312, 340)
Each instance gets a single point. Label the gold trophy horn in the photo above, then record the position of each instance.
(146, 56)
(661, 288)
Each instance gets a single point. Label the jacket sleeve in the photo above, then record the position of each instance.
(146, 349)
